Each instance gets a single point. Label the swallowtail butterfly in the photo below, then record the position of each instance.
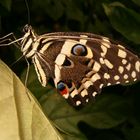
(80, 64)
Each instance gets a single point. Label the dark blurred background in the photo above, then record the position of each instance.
(115, 113)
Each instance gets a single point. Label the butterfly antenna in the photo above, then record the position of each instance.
(28, 11)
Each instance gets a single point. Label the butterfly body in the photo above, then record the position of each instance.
(80, 64)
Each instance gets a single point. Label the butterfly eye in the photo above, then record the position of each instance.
(26, 28)
(79, 50)
(62, 88)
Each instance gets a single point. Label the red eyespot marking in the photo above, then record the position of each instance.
(64, 91)
(62, 88)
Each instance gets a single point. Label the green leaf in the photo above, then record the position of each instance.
(73, 12)
(132, 129)
(54, 8)
(108, 111)
(21, 116)
(124, 20)
(136, 2)
(6, 4)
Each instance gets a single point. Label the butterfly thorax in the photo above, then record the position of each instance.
(28, 46)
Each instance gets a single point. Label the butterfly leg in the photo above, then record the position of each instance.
(9, 39)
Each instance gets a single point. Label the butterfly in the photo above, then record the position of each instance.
(80, 64)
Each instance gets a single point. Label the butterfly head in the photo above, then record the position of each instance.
(27, 28)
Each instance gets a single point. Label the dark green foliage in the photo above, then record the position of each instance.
(115, 113)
